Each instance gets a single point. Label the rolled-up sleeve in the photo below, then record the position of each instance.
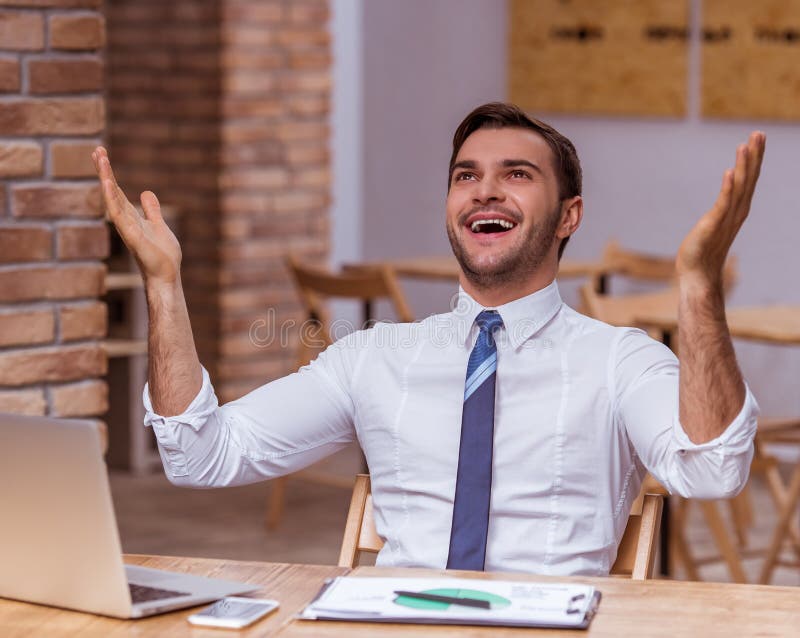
(645, 381)
(276, 429)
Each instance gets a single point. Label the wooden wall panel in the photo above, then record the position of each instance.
(751, 59)
(620, 57)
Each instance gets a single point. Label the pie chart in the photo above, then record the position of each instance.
(497, 602)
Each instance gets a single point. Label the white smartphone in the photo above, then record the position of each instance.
(233, 612)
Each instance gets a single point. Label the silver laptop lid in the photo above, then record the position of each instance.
(59, 543)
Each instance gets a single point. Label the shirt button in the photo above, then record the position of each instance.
(682, 452)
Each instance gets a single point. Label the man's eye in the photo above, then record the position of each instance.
(520, 174)
(464, 176)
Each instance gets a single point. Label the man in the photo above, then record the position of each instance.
(532, 463)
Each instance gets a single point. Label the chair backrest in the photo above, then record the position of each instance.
(622, 310)
(635, 556)
(366, 284)
(646, 267)
(621, 261)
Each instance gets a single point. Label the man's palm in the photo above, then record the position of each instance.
(152, 243)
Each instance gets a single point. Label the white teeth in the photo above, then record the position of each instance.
(500, 222)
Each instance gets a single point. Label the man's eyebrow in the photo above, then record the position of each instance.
(511, 163)
(465, 164)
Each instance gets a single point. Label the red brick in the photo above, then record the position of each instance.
(56, 116)
(261, 178)
(20, 159)
(23, 401)
(308, 12)
(314, 177)
(56, 200)
(304, 36)
(9, 76)
(77, 32)
(250, 13)
(26, 327)
(306, 154)
(298, 201)
(21, 31)
(25, 243)
(83, 321)
(72, 159)
(84, 398)
(310, 59)
(65, 76)
(63, 363)
(56, 4)
(83, 241)
(61, 282)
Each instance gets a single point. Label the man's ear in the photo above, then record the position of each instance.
(571, 216)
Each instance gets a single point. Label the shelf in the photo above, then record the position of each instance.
(125, 347)
(123, 281)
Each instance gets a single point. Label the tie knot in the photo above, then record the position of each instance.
(489, 321)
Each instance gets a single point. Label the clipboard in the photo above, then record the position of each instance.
(510, 603)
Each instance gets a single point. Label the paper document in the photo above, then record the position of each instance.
(456, 601)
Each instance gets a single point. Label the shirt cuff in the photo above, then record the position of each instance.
(202, 406)
(735, 439)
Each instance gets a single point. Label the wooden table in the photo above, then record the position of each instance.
(770, 324)
(446, 268)
(292, 585)
(629, 608)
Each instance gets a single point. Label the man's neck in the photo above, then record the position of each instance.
(494, 296)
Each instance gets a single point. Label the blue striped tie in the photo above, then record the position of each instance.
(474, 481)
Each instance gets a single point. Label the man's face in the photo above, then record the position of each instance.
(503, 208)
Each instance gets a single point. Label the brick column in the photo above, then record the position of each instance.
(52, 236)
(221, 107)
(163, 99)
(275, 180)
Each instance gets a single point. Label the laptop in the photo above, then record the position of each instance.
(59, 543)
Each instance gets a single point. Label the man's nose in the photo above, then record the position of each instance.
(488, 190)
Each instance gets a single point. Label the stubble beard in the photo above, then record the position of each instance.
(518, 263)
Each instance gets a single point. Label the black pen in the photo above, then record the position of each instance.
(465, 602)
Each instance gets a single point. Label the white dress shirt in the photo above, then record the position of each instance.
(582, 411)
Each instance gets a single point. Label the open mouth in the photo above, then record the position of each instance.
(491, 226)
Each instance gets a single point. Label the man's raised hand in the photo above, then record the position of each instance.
(152, 243)
(701, 256)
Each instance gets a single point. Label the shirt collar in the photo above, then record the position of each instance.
(522, 318)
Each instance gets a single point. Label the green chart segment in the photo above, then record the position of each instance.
(497, 602)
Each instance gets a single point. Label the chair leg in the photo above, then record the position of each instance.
(720, 535)
(742, 515)
(276, 502)
(777, 490)
(681, 554)
(784, 521)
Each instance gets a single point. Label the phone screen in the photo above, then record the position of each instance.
(233, 612)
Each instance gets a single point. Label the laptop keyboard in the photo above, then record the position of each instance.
(143, 593)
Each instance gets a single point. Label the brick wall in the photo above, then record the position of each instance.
(52, 236)
(221, 107)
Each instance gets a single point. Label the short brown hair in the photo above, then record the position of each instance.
(504, 115)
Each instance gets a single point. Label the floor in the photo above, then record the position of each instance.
(157, 518)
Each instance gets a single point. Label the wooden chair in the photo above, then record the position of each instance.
(635, 555)
(618, 261)
(632, 264)
(315, 286)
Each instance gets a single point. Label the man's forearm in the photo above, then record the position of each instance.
(712, 390)
(174, 372)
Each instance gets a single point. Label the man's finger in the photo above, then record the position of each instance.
(150, 206)
(756, 145)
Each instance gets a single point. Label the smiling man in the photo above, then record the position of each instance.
(510, 434)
